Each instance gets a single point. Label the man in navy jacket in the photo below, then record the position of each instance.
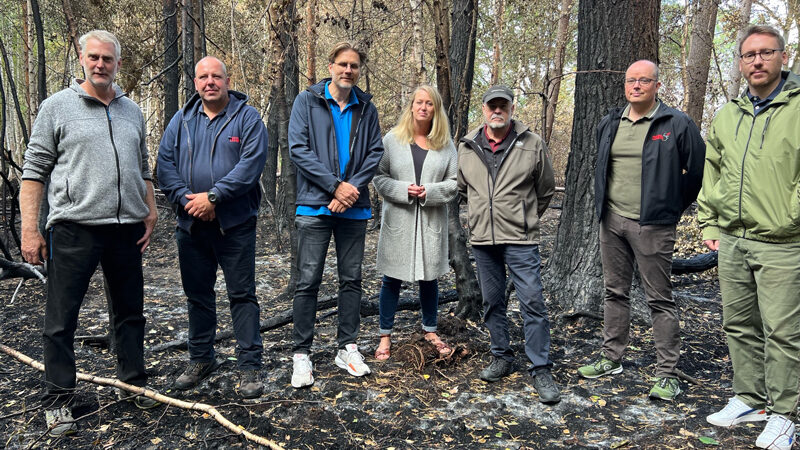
(335, 143)
(209, 163)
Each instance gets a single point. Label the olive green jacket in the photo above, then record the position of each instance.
(506, 210)
(751, 181)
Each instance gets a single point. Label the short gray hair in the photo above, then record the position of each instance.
(762, 29)
(224, 68)
(102, 36)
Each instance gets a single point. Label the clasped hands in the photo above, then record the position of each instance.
(199, 207)
(415, 191)
(344, 197)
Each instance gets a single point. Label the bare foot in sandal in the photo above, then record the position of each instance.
(439, 344)
(382, 353)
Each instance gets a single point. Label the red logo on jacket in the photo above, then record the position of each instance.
(661, 137)
(234, 139)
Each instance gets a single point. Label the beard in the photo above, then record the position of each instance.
(497, 125)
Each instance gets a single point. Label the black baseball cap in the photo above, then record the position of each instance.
(498, 91)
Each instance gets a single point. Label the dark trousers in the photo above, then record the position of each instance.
(200, 253)
(313, 236)
(623, 241)
(390, 295)
(73, 254)
(523, 263)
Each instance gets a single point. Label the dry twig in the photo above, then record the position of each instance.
(193, 406)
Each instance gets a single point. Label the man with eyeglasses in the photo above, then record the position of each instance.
(335, 144)
(649, 170)
(750, 212)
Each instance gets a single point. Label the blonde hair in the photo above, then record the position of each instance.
(439, 136)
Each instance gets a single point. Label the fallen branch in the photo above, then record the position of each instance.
(697, 263)
(193, 406)
(368, 308)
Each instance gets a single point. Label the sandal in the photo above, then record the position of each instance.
(438, 344)
(382, 354)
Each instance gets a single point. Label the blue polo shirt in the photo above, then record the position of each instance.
(342, 124)
(204, 136)
(761, 104)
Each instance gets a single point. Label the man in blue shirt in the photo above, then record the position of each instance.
(209, 163)
(335, 143)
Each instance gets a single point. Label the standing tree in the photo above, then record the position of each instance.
(172, 75)
(611, 35)
(553, 80)
(736, 76)
(187, 23)
(461, 63)
(704, 20)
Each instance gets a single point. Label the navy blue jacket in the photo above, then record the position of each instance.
(672, 165)
(238, 155)
(312, 147)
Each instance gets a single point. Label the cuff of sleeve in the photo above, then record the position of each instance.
(711, 233)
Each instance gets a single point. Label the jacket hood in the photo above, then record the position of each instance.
(236, 100)
(319, 91)
(76, 86)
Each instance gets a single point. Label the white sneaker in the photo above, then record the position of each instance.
(779, 433)
(735, 412)
(351, 359)
(60, 422)
(302, 375)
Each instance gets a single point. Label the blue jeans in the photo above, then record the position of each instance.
(199, 254)
(390, 294)
(523, 262)
(313, 237)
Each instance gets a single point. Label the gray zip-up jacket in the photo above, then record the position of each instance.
(95, 156)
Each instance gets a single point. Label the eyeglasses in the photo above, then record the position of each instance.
(644, 82)
(765, 54)
(343, 65)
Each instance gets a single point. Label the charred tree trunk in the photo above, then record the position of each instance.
(187, 24)
(41, 74)
(703, 22)
(611, 34)
(442, 36)
(69, 18)
(462, 64)
(30, 67)
(200, 30)
(172, 76)
(554, 77)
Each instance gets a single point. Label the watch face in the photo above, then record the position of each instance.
(212, 197)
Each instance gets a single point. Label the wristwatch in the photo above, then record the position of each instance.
(336, 185)
(212, 197)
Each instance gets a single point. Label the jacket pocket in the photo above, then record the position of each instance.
(525, 218)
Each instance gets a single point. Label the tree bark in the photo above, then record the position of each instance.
(187, 23)
(611, 34)
(27, 54)
(462, 64)
(497, 41)
(311, 42)
(554, 77)
(13, 87)
(41, 74)
(71, 30)
(200, 30)
(416, 26)
(703, 23)
(172, 76)
(735, 75)
(441, 27)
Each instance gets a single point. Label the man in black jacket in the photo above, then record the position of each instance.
(335, 144)
(649, 169)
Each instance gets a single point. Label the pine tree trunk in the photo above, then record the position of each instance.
(699, 61)
(611, 35)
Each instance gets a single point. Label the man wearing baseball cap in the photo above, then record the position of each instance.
(505, 176)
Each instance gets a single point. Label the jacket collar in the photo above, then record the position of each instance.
(319, 91)
(76, 86)
(237, 100)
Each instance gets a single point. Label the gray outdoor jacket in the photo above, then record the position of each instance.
(95, 156)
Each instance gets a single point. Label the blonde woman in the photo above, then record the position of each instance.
(417, 178)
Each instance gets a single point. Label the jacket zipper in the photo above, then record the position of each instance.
(741, 175)
(191, 153)
(116, 159)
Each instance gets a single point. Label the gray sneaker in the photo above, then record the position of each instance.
(498, 369)
(250, 384)
(60, 422)
(140, 401)
(195, 373)
(546, 386)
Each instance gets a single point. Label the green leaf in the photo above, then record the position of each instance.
(708, 441)
(499, 434)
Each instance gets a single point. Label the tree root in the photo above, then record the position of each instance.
(192, 406)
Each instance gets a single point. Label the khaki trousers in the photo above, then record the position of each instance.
(623, 241)
(760, 284)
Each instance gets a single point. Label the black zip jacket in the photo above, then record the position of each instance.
(672, 165)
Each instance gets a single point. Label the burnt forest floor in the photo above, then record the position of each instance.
(413, 400)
